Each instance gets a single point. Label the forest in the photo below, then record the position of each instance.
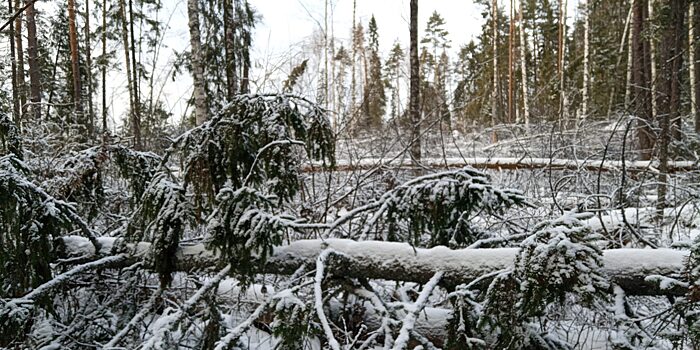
(535, 186)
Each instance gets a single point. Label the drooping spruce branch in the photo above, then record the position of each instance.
(438, 209)
(227, 148)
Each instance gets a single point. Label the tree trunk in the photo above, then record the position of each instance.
(669, 104)
(694, 24)
(353, 78)
(21, 84)
(229, 50)
(494, 86)
(104, 68)
(678, 8)
(34, 65)
(90, 119)
(523, 65)
(629, 82)
(639, 83)
(16, 114)
(652, 62)
(75, 63)
(200, 95)
(135, 82)
(401, 262)
(135, 129)
(586, 54)
(414, 100)
(563, 104)
(511, 34)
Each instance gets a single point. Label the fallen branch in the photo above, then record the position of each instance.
(512, 164)
(627, 268)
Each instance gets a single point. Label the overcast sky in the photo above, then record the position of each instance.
(287, 24)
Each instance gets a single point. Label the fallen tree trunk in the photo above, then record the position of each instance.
(513, 164)
(627, 268)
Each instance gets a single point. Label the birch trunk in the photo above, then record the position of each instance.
(200, 96)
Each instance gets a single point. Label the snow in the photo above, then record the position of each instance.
(410, 320)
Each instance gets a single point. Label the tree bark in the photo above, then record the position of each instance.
(75, 63)
(135, 129)
(229, 50)
(563, 104)
(104, 68)
(639, 84)
(16, 114)
(651, 168)
(414, 100)
(694, 48)
(200, 95)
(494, 86)
(669, 104)
(138, 143)
(21, 84)
(90, 118)
(401, 262)
(34, 65)
(511, 34)
(652, 63)
(586, 54)
(523, 65)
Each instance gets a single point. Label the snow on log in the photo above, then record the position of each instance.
(512, 164)
(628, 268)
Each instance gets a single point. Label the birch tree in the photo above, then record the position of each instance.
(200, 97)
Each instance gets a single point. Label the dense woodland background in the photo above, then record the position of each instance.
(537, 187)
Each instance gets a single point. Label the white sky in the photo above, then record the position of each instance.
(287, 24)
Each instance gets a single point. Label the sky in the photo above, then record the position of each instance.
(288, 25)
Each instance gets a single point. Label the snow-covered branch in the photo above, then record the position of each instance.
(512, 164)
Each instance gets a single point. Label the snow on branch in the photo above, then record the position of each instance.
(166, 323)
(514, 164)
(228, 147)
(441, 204)
(29, 219)
(410, 319)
